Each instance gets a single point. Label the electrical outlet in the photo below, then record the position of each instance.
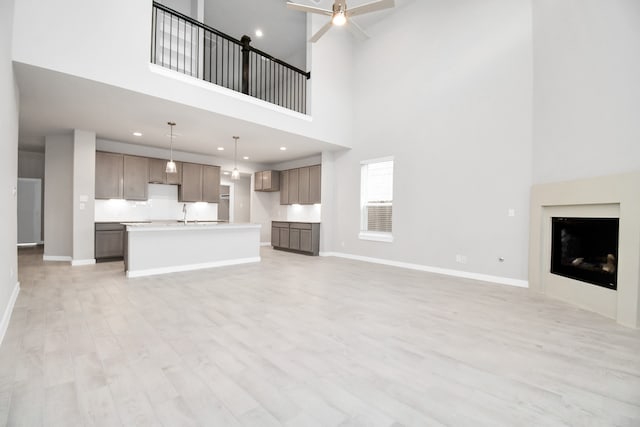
(462, 259)
(511, 212)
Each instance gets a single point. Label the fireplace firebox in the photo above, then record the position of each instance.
(586, 249)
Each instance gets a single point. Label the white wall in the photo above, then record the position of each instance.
(446, 88)
(58, 197)
(8, 169)
(84, 173)
(587, 90)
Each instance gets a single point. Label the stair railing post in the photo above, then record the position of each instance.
(246, 40)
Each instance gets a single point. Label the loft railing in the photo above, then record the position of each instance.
(183, 44)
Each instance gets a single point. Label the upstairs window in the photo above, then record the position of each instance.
(376, 199)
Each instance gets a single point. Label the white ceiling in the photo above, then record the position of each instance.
(52, 103)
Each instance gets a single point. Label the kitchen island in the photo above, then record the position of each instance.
(159, 248)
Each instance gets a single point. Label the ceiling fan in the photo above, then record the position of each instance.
(340, 15)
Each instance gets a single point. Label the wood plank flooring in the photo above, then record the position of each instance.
(306, 341)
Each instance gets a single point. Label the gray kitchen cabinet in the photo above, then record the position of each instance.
(280, 234)
(315, 176)
(284, 187)
(266, 181)
(136, 177)
(306, 241)
(293, 187)
(303, 186)
(257, 181)
(109, 241)
(210, 184)
(191, 188)
(157, 174)
(109, 175)
(301, 237)
(284, 238)
(294, 239)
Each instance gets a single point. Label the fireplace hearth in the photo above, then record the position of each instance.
(585, 249)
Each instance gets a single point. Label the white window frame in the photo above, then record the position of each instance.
(364, 234)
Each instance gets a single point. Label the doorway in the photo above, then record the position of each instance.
(29, 211)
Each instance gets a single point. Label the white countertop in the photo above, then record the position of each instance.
(180, 226)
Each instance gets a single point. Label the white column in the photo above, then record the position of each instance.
(84, 167)
(58, 193)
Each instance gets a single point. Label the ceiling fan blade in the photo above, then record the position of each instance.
(320, 32)
(310, 9)
(356, 30)
(370, 7)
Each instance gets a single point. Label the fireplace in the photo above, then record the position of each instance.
(585, 249)
(608, 204)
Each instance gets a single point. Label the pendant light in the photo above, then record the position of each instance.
(235, 174)
(171, 165)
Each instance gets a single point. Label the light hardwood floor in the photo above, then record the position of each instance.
(306, 341)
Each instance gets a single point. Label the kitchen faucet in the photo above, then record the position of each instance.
(184, 210)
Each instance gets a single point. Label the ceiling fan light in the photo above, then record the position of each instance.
(339, 19)
(171, 167)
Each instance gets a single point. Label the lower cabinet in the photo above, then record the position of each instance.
(109, 241)
(302, 237)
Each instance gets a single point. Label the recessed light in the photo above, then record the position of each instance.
(220, 148)
(259, 33)
(283, 148)
(246, 157)
(137, 134)
(225, 173)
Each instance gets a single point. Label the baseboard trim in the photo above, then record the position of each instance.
(56, 258)
(77, 262)
(6, 317)
(190, 267)
(444, 271)
(265, 243)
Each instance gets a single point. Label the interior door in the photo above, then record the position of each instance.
(29, 210)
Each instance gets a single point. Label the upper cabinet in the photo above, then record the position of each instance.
(210, 184)
(136, 177)
(301, 186)
(314, 184)
(284, 187)
(294, 177)
(200, 183)
(267, 181)
(120, 176)
(109, 175)
(191, 188)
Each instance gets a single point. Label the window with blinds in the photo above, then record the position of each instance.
(376, 199)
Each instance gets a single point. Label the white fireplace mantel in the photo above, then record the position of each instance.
(609, 196)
